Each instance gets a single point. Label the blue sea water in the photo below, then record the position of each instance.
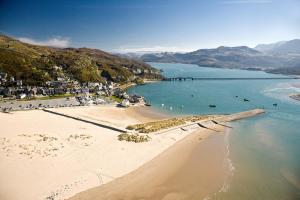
(264, 150)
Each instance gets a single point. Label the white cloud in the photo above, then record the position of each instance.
(151, 49)
(247, 2)
(53, 42)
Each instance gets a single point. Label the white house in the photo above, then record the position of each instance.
(21, 96)
(125, 103)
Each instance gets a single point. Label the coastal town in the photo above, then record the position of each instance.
(149, 100)
(14, 95)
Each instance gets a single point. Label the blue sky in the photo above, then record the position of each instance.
(135, 25)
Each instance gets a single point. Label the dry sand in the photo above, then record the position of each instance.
(192, 169)
(46, 156)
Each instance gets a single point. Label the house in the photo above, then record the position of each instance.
(9, 91)
(56, 84)
(125, 103)
(33, 91)
(93, 84)
(85, 91)
(99, 101)
(75, 83)
(41, 91)
(59, 91)
(57, 67)
(111, 86)
(137, 71)
(21, 96)
(3, 77)
(136, 99)
(19, 82)
(61, 79)
(98, 88)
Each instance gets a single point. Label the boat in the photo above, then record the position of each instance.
(275, 104)
(246, 100)
(212, 106)
(147, 104)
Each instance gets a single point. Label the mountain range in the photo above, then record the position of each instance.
(280, 57)
(37, 64)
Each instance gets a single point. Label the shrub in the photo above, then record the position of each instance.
(134, 138)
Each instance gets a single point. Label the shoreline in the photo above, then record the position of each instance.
(196, 170)
(175, 179)
(295, 97)
(44, 146)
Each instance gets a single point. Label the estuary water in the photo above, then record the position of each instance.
(264, 150)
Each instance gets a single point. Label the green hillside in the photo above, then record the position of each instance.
(37, 64)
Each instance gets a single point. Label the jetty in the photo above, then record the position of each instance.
(226, 79)
(216, 121)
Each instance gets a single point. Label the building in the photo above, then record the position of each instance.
(125, 103)
(21, 96)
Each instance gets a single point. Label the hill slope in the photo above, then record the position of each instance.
(38, 64)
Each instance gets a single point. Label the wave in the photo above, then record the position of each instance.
(294, 89)
(227, 163)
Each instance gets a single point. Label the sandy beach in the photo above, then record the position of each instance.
(192, 169)
(48, 156)
(196, 167)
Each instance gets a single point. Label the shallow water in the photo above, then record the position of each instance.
(264, 150)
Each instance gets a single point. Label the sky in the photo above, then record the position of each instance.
(150, 25)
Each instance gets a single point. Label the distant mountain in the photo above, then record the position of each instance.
(38, 64)
(222, 57)
(241, 57)
(284, 47)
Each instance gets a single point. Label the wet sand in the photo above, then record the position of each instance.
(192, 169)
(295, 97)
